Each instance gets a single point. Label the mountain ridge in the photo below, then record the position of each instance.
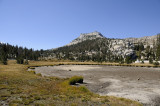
(94, 35)
(96, 47)
(86, 36)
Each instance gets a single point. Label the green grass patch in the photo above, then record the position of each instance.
(83, 89)
(75, 79)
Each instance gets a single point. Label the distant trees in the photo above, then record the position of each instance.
(121, 60)
(158, 47)
(3, 54)
(20, 60)
(139, 48)
(156, 63)
(148, 53)
(99, 50)
(22, 55)
(150, 60)
(89, 50)
(128, 59)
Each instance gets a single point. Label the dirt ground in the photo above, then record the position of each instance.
(136, 83)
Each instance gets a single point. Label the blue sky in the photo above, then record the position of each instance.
(46, 24)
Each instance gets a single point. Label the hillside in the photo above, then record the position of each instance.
(94, 46)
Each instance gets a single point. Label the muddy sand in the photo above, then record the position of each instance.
(136, 83)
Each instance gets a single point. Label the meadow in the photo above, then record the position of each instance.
(20, 87)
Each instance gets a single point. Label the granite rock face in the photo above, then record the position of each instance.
(94, 45)
(86, 36)
(119, 47)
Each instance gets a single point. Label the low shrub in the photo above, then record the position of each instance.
(148, 66)
(75, 79)
(37, 98)
(156, 63)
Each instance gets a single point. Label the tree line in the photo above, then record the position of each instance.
(21, 54)
(88, 50)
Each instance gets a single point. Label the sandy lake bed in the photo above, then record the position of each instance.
(136, 83)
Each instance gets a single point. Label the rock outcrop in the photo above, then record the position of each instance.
(95, 44)
(86, 36)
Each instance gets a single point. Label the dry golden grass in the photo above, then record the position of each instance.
(65, 62)
(20, 87)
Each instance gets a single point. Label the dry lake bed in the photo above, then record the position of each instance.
(136, 83)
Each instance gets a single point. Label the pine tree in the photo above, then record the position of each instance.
(158, 47)
(20, 59)
(3, 54)
(150, 60)
(128, 60)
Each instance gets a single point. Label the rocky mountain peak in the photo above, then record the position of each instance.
(86, 36)
(92, 34)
